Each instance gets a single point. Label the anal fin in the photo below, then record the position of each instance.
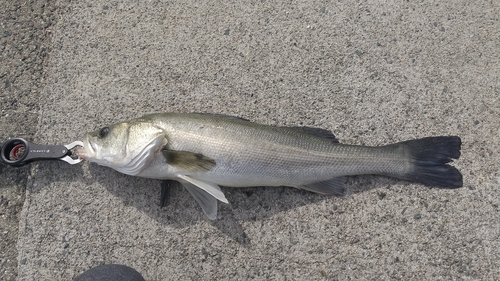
(335, 186)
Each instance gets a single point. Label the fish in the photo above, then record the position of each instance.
(203, 151)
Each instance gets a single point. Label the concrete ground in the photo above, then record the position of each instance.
(373, 73)
(25, 43)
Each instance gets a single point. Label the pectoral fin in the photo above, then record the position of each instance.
(334, 186)
(207, 202)
(210, 188)
(187, 160)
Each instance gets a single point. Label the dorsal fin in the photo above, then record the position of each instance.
(318, 132)
(223, 116)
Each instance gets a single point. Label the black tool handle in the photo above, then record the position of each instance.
(18, 152)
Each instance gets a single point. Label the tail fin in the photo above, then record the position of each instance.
(430, 157)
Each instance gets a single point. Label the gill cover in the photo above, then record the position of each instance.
(144, 140)
(127, 147)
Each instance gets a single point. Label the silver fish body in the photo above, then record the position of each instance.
(203, 151)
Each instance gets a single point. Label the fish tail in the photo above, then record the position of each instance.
(429, 157)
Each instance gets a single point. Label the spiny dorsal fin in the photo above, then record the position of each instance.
(187, 160)
(223, 116)
(318, 132)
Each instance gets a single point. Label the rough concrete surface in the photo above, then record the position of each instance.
(373, 73)
(24, 48)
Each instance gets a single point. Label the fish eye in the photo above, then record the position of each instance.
(103, 132)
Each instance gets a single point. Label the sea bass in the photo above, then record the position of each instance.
(203, 151)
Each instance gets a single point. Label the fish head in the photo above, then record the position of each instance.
(127, 147)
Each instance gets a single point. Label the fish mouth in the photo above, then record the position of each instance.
(89, 149)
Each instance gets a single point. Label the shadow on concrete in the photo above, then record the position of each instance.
(181, 211)
(246, 204)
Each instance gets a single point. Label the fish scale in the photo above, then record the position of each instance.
(254, 152)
